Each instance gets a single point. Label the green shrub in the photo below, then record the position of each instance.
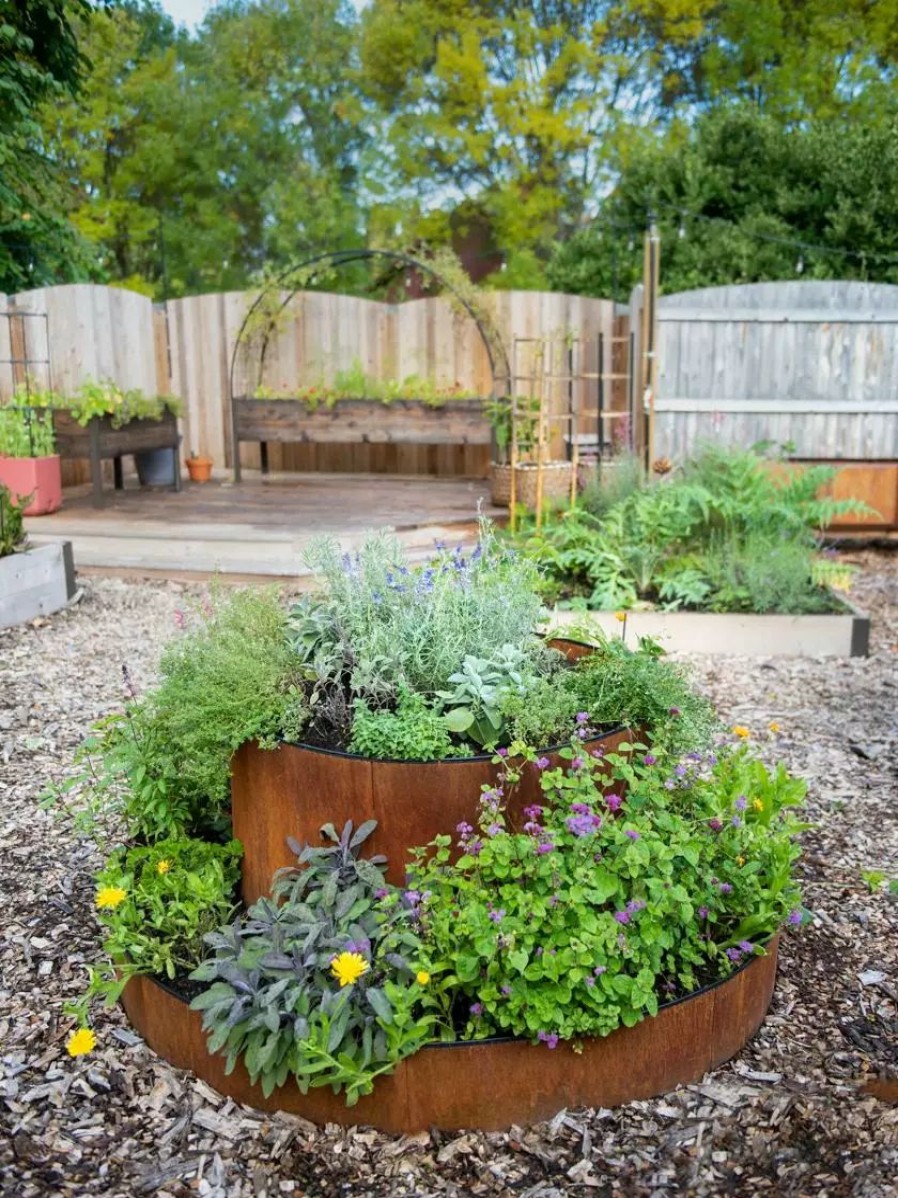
(327, 986)
(156, 906)
(600, 908)
(415, 731)
(12, 522)
(26, 432)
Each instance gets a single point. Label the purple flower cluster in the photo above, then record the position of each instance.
(583, 822)
(497, 915)
(550, 1039)
(613, 802)
(795, 918)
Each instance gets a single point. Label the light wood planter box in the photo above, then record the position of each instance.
(350, 421)
(732, 634)
(871, 482)
(36, 582)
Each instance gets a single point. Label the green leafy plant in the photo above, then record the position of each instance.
(156, 904)
(325, 985)
(12, 522)
(355, 383)
(25, 432)
(415, 731)
(163, 762)
(605, 904)
(474, 704)
(107, 398)
(381, 624)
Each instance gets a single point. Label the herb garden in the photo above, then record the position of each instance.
(443, 836)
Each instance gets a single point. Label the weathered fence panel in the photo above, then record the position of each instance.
(814, 365)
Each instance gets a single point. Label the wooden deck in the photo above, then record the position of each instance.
(260, 527)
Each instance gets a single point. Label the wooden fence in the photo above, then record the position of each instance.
(812, 364)
(184, 348)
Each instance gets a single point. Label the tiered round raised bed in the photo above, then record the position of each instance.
(295, 789)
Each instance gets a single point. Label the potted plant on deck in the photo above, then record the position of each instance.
(29, 465)
(199, 467)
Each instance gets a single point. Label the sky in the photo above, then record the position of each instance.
(187, 12)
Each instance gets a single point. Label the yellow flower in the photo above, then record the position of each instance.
(620, 616)
(774, 726)
(740, 860)
(422, 977)
(110, 896)
(348, 968)
(162, 867)
(758, 805)
(81, 1042)
(741, 731)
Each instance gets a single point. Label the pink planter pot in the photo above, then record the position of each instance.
(41, 478)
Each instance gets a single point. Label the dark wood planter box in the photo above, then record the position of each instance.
(99, 441)
(492, 1084)
(349, 421)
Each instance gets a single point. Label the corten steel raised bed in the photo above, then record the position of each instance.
(492, 1084)
(349, 421)
(294, 789)
(99, 441)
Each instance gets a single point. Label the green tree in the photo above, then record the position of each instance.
(194, 162)
(739, 197)
(39, 60)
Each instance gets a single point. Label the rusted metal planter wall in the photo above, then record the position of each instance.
(492, 1084)
(294, 789)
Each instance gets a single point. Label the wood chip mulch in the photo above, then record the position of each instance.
(788, 1117)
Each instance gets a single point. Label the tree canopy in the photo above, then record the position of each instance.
(536, 134)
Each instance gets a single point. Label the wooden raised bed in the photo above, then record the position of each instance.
(492, 1084)
(98, 441)
(402, 421)
(829, 634)
(36, 582)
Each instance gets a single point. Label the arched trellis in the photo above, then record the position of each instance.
(497, 355)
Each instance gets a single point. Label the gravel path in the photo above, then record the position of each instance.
(788, 1117)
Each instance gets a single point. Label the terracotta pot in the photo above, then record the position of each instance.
(492, 1084)
(41, 478)
(199, 469)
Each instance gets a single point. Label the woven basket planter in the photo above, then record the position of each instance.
(556, 483)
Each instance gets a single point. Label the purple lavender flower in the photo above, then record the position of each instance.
(650, 759)
(613, 802)
(534, 811)
(598, 754)
(669, 784)
(632, 833)
(673, 710)
(381, 892)
(474, 848)
(545, 846)
(680, 770)
(746, 946)
(726, 888)
(715, 824)
(494, 830)
(582, 717)
(734, 954)
(464, 830)
(411, 898)
(599, 970)
(622, 916)
(506, 990)
(590, 981)
(741, 803)
(736, 821)
(795, 918)
(532, 828)
(497, 916)
(550, 1039)
(703, 912)
(542, 763)
(502, 752)
(635, 905)
(476, 1008)
(578, 763)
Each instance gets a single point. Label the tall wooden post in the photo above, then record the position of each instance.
(651, 269)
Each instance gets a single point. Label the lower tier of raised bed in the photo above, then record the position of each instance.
(492, 1084)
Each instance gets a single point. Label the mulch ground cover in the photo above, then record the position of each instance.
(788, 1117)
